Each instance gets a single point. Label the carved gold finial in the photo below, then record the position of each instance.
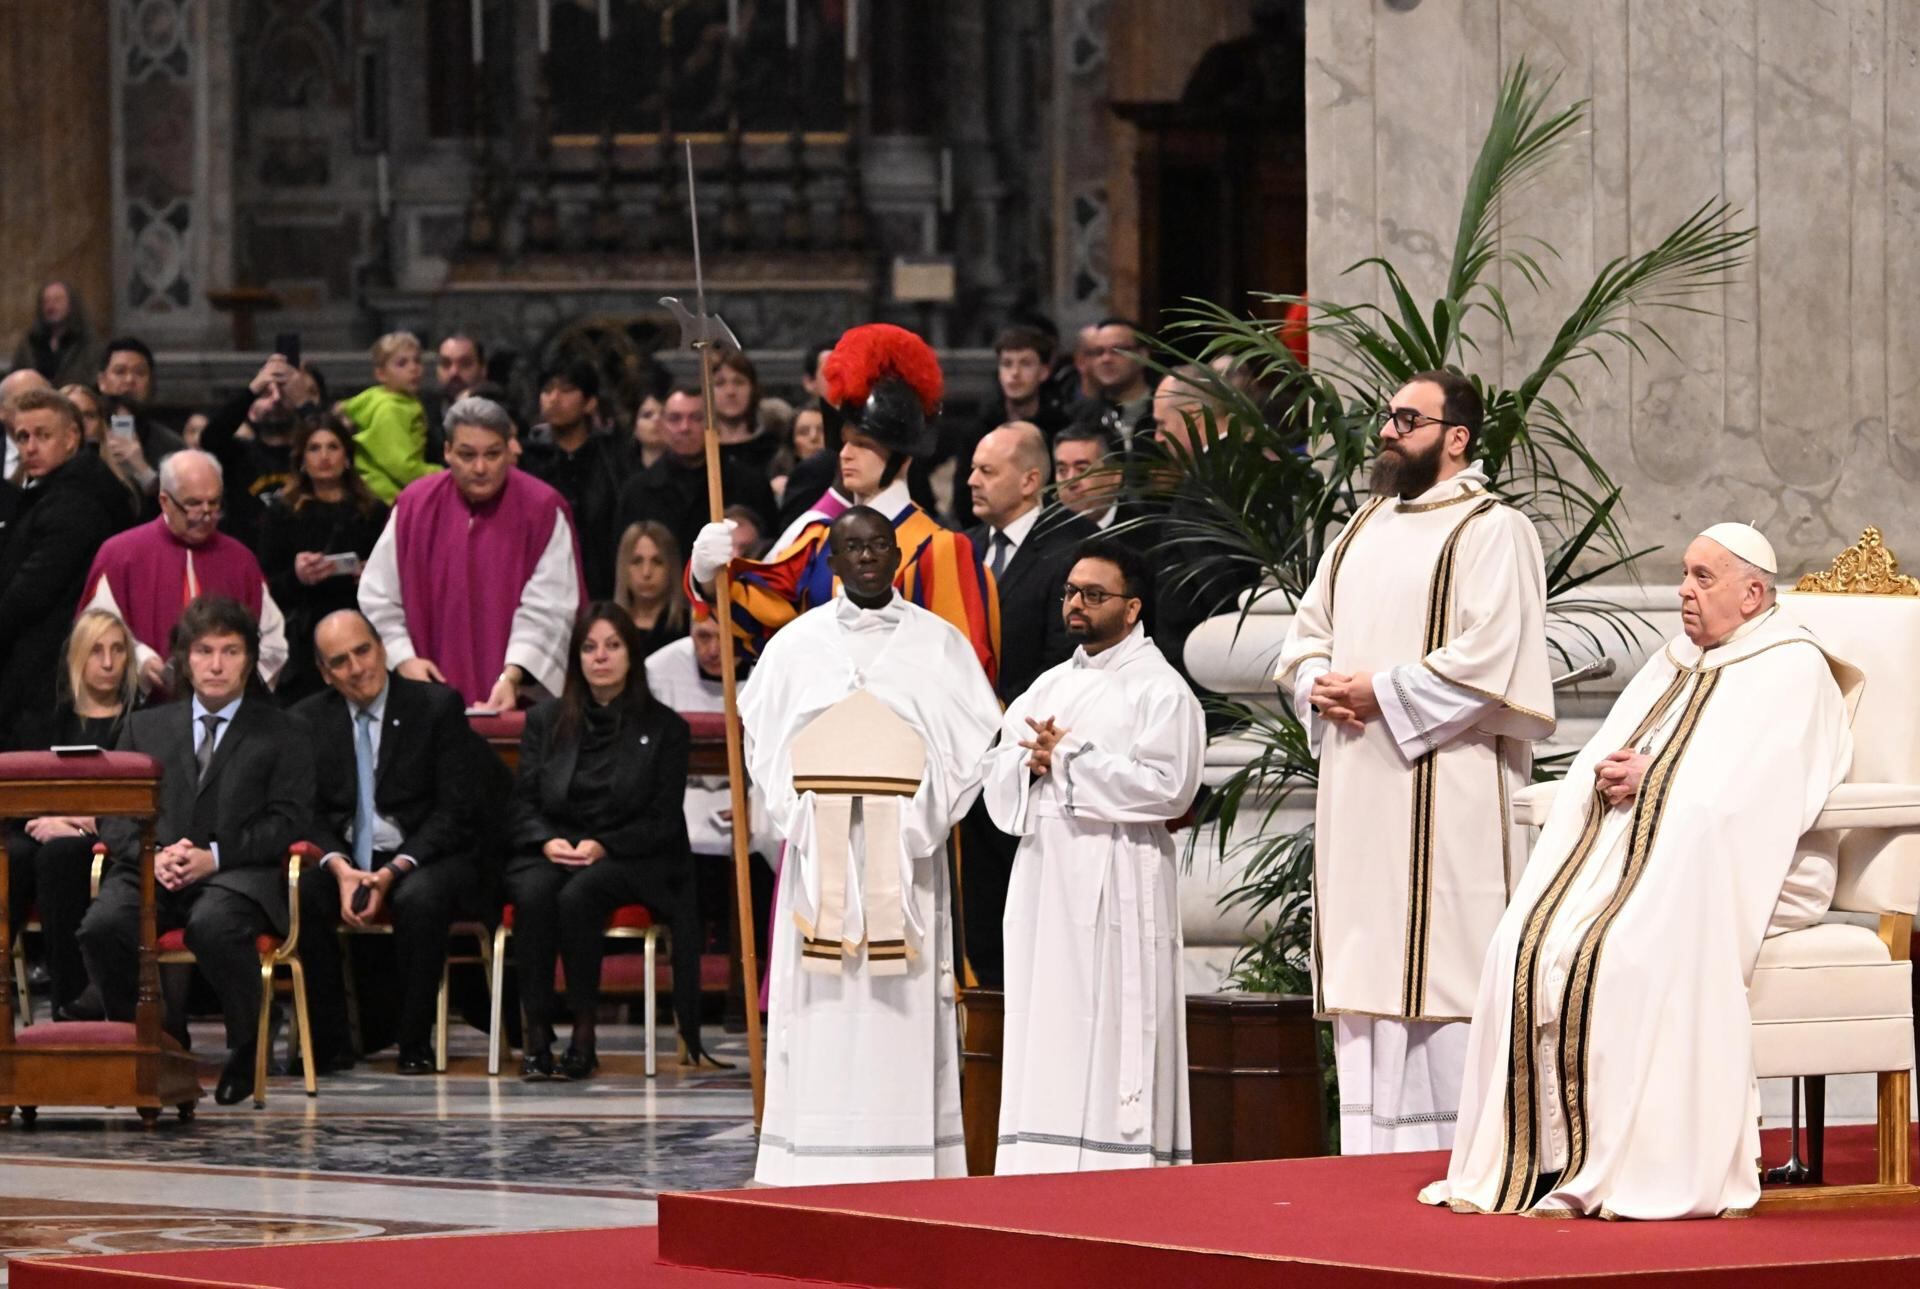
(1865, 568)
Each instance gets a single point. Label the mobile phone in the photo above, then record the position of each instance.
(120, 425)
(76, 749)
(345, 564)
(287, 345)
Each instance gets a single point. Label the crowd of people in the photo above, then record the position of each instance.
(338, 585)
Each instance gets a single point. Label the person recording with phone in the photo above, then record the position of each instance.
(251, 435)
(315, 534)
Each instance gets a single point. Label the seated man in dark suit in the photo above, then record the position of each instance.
(1029, 549)
(394, 761)
(236, 784)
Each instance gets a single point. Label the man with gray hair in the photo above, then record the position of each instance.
(149, 574)
(1609, 1067)
(476, 581)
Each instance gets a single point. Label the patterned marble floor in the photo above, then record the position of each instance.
(377, 1154)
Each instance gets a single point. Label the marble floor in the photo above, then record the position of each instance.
(378, 1154)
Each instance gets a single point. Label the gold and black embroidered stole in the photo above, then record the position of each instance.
(1341, 545)
(1413, 983)
(1574, 1039)
(1521, 1172)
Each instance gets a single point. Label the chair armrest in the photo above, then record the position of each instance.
(301, 852)
(1893, 807)
(96, 869)
(1531, 804)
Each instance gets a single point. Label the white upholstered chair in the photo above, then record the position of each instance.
(1837, 997)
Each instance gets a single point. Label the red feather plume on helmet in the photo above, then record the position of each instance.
(868, 353)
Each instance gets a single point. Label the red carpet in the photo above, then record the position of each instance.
(1350, 1224)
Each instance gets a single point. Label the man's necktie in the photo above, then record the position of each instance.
(997, 562)
(363, 791)
(203, 755)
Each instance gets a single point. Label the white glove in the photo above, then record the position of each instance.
(712, 551)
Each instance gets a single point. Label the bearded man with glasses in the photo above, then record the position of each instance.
(1418, 661)
(1093, 762)
(149, 574)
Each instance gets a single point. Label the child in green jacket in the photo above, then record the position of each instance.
(391, 445)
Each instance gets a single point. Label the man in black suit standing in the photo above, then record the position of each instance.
(395, 764)
(1029, 549)
(236, 785)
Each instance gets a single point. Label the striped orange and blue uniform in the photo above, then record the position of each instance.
(939, 570)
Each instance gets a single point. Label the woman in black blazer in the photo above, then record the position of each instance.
(598, 822)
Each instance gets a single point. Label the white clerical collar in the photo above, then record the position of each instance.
(1469, 482)
(891, 500)
(1106, 520)
(1109, 659)
(1017, 531)
(1724, 651)
(854, 618)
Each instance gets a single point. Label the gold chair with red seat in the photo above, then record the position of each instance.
(275, 953)
(629, 921)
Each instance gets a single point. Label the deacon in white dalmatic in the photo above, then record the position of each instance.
(1418, 659)
(1610, 1068)
(867, 724)
(1094, 760)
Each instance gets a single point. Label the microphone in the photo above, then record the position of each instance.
(1598, 669)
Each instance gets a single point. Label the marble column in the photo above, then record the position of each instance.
(1787, 406)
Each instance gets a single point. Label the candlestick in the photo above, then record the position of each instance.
(793, 24)
(606, 21)
(383, 200)
(545, 23)
(479, 33)
(853, 30)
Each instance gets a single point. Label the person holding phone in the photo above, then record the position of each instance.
(315, 535)
(251, 435)
(597, 824)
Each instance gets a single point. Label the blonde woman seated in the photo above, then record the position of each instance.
(52, 856)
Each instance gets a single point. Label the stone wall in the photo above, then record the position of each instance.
(1791, 407)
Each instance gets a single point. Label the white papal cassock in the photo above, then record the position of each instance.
(1094, 1071)
(1443, 599)
(863, 1082)
(1624, 960)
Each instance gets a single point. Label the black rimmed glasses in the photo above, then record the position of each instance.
(1404, 421)
(1091, 596)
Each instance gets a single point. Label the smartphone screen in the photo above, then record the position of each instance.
(120, 425)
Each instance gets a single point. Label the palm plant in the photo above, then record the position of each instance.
(1281, 444)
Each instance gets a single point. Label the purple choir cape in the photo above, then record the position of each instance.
(146, 569)
(463, 569)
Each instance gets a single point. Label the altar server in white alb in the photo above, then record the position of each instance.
(1094, 760)
(1610, 1069)
(1418, 660)
(868, 723)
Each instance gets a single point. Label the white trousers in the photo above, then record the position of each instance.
(1399, 1083)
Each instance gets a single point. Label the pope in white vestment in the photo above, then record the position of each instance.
(863, 1058)
(1418, 660)
(1610, 1066)
(1094, 1070)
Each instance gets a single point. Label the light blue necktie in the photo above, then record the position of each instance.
(363, 775)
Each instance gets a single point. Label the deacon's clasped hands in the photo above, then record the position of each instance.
(1346, 701)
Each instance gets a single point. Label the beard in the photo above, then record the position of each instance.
(1403, 474)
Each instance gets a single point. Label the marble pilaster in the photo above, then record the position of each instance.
(1784, 404)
